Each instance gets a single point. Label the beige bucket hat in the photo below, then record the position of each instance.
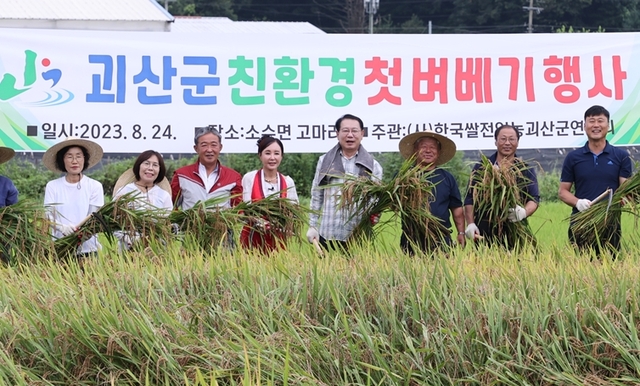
(447, 147)
(6, 153)
(94, 150)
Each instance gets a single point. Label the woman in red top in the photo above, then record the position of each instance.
(262, 183)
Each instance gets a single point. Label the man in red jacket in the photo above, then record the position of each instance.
(206, 178)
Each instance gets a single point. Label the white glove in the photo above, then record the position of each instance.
(517, 214)
(312, 234)
(66, 230)
(583, 204)
(471, 231)
(129, 240)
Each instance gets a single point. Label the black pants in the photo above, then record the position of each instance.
(334, 245)
(408, 245)
(604, 240)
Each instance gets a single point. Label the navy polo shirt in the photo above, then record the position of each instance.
(531, 189)
(446, 195)
(8, 192)
(592, 174)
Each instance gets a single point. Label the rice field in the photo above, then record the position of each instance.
(168, 315)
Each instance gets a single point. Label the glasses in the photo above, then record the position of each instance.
(347, 131)
(505, 140)
(147, 164)
(72, 158)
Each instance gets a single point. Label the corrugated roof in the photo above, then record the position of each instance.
(104, 10)
(224, 25)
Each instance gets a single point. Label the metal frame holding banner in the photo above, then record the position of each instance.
(132, 91)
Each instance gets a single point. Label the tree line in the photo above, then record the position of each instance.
(413, 16)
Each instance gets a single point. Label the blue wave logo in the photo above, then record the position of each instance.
(54, 98)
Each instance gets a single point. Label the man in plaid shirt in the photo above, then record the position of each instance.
(334, 226)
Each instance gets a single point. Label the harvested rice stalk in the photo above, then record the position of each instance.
(24, 234)
(117, 215)
(207, 224)
(407, 196)
(496, 188)
(284, 216)
(593, 222)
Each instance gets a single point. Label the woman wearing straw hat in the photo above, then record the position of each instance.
(73, 197)
(259, 184)
(147, 182)
(8, 191)
(432, 150)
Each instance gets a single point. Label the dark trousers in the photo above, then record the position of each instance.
(334, 245)
(604, 240)
(408, 245)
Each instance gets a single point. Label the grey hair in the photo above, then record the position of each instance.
(200, 131)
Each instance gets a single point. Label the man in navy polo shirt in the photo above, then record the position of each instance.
(507, 139)
(432, 150)
(594, 168)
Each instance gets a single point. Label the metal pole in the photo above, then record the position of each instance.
(429, 27)
(530, 29)
(370, 22)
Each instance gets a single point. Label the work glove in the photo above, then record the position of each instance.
(517, 214)
(262, 224)
(583, 204)
(471, 231)
(66, 230)
(129, 240)
(374, 218)
(312, 234)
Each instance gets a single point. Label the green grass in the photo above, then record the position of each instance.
(169, 316)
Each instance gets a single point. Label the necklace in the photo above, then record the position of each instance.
(271, 180)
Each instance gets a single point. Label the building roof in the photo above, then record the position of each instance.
(223, 25)
(84, 10)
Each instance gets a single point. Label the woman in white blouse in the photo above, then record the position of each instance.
(262, 183)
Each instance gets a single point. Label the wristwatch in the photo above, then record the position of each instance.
(461, 233)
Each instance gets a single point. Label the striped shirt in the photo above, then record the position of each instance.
(333, 221)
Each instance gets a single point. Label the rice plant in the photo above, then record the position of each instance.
(407, 196)
(24, 232)
(496, 188)
(117, 215)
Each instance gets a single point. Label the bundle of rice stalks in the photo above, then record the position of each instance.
(285, 217)
(596, 221)
(207, 224)
(24, 232)
(407, 196)
(117, 215)
(496, 189)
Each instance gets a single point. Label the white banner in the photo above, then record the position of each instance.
(133, 91)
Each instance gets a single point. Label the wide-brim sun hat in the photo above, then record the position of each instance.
(94, 150)
(6, 153)
(128, 177)
(447, 146)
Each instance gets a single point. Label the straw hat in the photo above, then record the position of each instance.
(94, 150)
(447, 147)
(128, 177)
(6, 153)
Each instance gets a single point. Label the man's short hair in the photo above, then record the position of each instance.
(595, 111)
(348, 116)
(200, 131)
(497, 132)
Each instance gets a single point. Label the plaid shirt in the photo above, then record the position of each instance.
(333, 224)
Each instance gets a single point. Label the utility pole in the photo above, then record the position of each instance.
(531, 8)
(371, 7)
